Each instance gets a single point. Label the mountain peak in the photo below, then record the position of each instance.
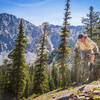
(9, 29)
(7, 15)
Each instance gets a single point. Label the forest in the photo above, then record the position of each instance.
(19, 81)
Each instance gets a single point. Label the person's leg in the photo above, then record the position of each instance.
(91, 70)
(92, 57)
(82, 66)
(82, 56)
(91, 76)
(86, 66)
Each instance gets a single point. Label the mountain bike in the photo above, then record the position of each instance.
(86, 68)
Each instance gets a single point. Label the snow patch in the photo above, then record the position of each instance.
(52, 48)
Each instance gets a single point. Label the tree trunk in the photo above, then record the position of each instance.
(63, 77)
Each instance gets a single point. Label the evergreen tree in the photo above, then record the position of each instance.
(18, 73)
(90, 25)
(28, 84)
(75, 68)
(27, 89)
(51, 81)
(7, 77)
(5, 81)
(97, 34)
(97, 61)
(31, 75)
(55, 74)
(91, 21)
(41, 84)
(63, 49)
(1, 85)
(67, 77)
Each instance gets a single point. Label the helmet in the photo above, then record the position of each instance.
(80, 36)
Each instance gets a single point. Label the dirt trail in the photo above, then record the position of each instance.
(68, 94)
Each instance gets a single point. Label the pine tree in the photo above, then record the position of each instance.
(28, 83)
(51, 81)
(31, 75)
(1, 85)
(97, 34)
(5, 80)
(75, 68)
(97, 61)
(55, 74)
(18, 73)
(7, 68)
(91, 21)
(63, 49)
(27, 89)
(90, 25)
(67, 77)
(41, 84)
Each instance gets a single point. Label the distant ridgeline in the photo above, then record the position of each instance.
(9, 29)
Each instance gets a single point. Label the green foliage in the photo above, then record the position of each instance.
(75, 69)
(51, 82)
(27, 92)
(97, 60)
(55, 74)
(1, 85)
(67, 77)
(91, 21)
(92, 25)
(63, 49)
(96, 88)
(41, 84)
(79, 92)
(76, 93)
(18, 74)
(96, 98)
(30, 83)
(5, 80)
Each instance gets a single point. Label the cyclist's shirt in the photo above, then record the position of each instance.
(87, 45)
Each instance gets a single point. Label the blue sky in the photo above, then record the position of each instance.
(38, 11)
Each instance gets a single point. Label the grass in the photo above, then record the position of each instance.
(49, 95)
(60, 92)
(96, 98)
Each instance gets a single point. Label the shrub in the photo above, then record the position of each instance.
(96, 98)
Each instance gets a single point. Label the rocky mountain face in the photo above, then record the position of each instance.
(9, 28)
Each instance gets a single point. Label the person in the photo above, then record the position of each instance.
(85, 44)
(87, 47)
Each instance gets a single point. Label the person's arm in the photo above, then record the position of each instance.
(95, 46)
